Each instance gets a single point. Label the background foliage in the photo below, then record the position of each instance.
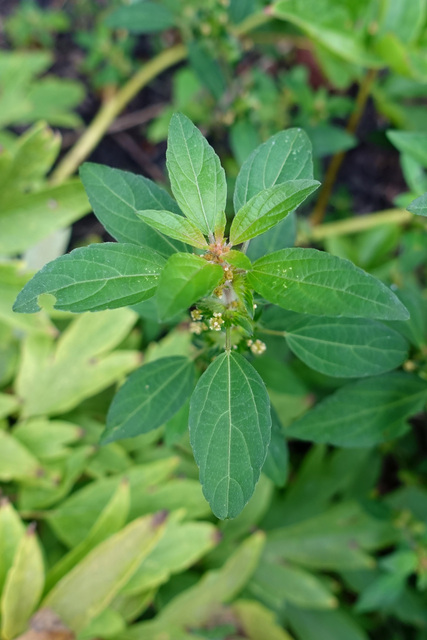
(117, 541)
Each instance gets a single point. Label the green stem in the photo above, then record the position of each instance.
(252, 22)
(112, 108)
(354, 225)
(271, 332)
(228, 339)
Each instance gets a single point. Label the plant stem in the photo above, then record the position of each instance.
(228, 339)
(354, 225)
(272, 332)
(332, 172)
(111, 109)
(252, 22)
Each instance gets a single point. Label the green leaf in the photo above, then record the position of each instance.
(174, 226)
(412, 143)
(230, 427)
(206, 68)
(82, 356)
(93, 583)
(74, 519)
(194, 606)
(279, 583)
(94, 278)
(182, 546)
(285, 156)
(117, 195)
(404, 20)
(16, 461)
(197, 178)
(141, 17)
(314, 282)
(47, 439)
(328, 23)
(8, 404)
(419, 205)
(258, 622)
(185, 279)
(23, 586)
(150, 397)
(282, 236)
(111, 519)
(334, 540)
(344, 420)
(276, 466)
(11, 531)
(324, 625)
(269, 207)
(27, 218)
(344, 347)
(241, 9)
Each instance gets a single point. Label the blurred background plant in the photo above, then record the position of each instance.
(334, 542)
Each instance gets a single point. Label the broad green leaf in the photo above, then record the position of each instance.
(241, 9)
(89, 588)
(109, 624)
(182, 545)
(324, 625)
(24, 168)
(47, 439)
(174, 226)
(25, 98)
(53, 488)
(335, 540)
(383, 592)
(258, 622)
(344, 347)
(184, 280)
(74, 519)
(82, 356)
(111, 519)
(194, 606)
(197, 178)
(403, 19)
(141, 17)
(282, 236)
(8, 404)
(150, 397)
(329, 24)
(23, 586)
(206, 68)
(280, 583)
(276, 466)
(16, 461)
(419, 205)
(178, 493)
(230, 428)
(12, 279)
(117, 195)
(343, 420)
(30, 217)
(285, 156)
(267, 208)
(94, 278)
(11, 531)
(317, 283)
(238, 259)
(412, 143)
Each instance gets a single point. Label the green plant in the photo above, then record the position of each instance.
(326, 308)
(31, 25)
